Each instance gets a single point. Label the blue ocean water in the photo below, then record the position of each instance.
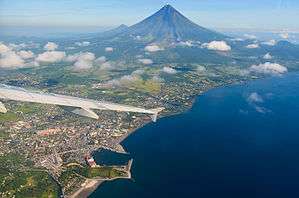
(236, 142)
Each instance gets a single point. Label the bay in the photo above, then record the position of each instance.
(236, 141)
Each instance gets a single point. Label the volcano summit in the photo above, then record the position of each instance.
(170, 25)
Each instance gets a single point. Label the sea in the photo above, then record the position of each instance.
(239, 141)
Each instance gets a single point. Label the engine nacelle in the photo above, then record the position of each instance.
(2, 108)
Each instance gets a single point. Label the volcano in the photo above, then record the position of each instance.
(170, 25)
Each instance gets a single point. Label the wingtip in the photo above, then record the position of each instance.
(156, 113)
(2, 108)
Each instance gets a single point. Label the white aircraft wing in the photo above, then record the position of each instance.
(81, 106)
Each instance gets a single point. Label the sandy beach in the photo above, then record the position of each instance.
(87, 188)
(91, 185)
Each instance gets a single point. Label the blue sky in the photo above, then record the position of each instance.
(252, 14)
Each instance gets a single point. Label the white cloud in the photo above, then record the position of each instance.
(11, 60)
(107, 65)
(217, 45)
(17, 46)
(3, 48)
(109, 49)
(26, 54)
(84, 56)
(269, 68)
(101, 60)
(201, 69)
(169, 70)
(127, 79)
(262, 110)
(82, 65)
(250, 36)
(146, 61)
(29, 45)
(50, 46)
(83, 61)
(270, 43)
(83, 44)
(153, 48)
(72, 58)
(267, 56)
(50, 57)
(255, 98)
(138, 38)
(70, 48)
(252, 46)
(186, 43)
(138, 72)
(284, 35)
(236, 39)
(86, 60)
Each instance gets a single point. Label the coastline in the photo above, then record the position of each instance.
(85, 191)
(229, 143)
(89, 190)
(90, 185)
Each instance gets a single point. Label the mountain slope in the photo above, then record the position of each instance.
(170, 25)
(114, 32)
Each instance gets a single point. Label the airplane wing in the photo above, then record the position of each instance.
(80, 106)
(2, 108)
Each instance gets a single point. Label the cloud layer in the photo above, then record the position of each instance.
(109, 49)
(267, 56)
(255, 98)
(50, 46)
(284, 35)
(253, 46)
(250, 36)
(11, 59)
(146, 61)
(82, 61)
(269, 68)
(153, 48)
(25, 54)
(82, 44)
(51, 57)
(217, 45)
(270, 43)
(169, 70)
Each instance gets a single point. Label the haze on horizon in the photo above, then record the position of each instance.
(230, 14)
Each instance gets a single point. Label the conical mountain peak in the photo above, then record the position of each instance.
(170, 25)
(168, 8)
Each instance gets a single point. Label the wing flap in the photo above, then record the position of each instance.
(85, 112)
(2, 108)
(156, 112)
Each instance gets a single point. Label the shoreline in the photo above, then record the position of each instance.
(86, 191)
(119, 140)
(90, 185)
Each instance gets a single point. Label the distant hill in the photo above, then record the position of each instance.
(168, 25)
(114, 32)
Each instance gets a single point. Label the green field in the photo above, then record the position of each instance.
(8, 117)
(87, 172)
(29, 184)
